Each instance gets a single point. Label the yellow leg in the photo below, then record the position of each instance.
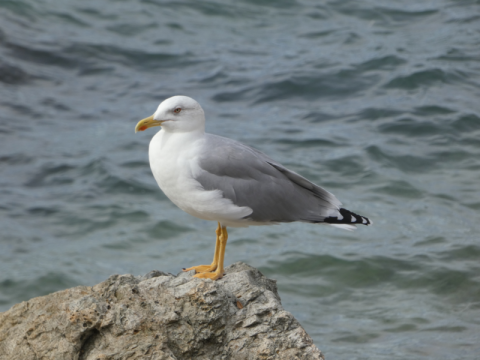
(218, 273)
(213, 266)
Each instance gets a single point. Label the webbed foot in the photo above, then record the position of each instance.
(202, 268)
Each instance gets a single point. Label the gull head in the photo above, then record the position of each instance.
(176, 114)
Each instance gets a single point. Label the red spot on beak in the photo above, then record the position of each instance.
(143, 128)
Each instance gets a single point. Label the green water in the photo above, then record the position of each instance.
(377, 102)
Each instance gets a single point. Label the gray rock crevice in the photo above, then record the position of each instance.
(158, 316)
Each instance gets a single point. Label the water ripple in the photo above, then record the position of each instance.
(376, 102)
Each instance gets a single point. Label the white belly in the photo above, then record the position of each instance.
(174, 163)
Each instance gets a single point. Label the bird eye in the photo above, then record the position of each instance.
(177, 110)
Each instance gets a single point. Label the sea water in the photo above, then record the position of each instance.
(376, 101)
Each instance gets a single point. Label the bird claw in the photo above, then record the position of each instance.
(210, 275)
(202, 268)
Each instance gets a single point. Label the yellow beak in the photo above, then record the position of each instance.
(147, 123)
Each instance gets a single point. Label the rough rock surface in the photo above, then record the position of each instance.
(158, 316)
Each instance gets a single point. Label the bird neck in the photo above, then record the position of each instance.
(176, 129)
(177, 137)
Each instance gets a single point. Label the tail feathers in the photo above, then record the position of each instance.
(347, 220)
(345, 226)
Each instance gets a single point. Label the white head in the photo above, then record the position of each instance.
(176, 114)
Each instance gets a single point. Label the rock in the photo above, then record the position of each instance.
(158, 316)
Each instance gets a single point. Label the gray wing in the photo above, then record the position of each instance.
(250, 178)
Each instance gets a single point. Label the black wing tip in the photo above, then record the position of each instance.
(348, 218)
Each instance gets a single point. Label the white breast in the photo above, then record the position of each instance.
(174, 163)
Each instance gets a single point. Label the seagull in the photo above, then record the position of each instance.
(219, 179)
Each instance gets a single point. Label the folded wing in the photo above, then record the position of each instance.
(250, 178)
